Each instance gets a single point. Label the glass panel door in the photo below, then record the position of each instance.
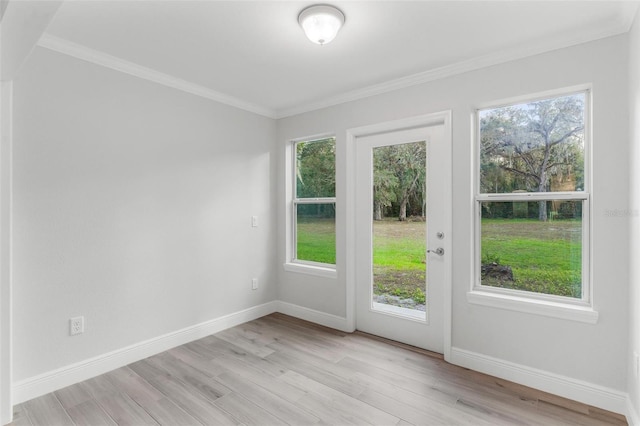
(399, 229)
(403, 209)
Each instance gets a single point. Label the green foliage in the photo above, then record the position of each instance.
(399, 178)
(385, 185)
(530, 210)
(316, 168)
(534, 147)
(488, 258)
(403, 292)
(419, 296)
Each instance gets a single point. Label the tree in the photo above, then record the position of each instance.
(385, 183)
(316, 169)
(411, 170)
(522, 146)
(399, 177)
(316, 176)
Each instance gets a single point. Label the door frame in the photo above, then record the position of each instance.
(434, 119)
(6, 379)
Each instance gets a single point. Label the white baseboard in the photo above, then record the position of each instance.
(66, 376)
(632, 414)
(588, 393)
(567, 387)
(318, 317)
(42, 384)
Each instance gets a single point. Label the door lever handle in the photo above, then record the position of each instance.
(439, 251)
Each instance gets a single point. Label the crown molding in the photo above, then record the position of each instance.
(549, 44)
(616, 27)
(100, 58)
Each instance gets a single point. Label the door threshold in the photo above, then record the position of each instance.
(400, 345)
(399, 311)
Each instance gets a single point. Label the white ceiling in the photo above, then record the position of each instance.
(253, 53)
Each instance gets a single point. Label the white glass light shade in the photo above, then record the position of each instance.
(321, 23)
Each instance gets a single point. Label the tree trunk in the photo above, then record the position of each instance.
(542, 183)
(377, 211)
(405, 200)
(403, 211)
(542, 211)
(542, 187)
(424, 199)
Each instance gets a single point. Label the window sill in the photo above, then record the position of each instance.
(318, 271)
(546, 308)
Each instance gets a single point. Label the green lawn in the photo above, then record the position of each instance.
(317, 240)
(399, 253)
(545, 257)
(399, 266)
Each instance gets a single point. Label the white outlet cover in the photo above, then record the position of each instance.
(76, 325)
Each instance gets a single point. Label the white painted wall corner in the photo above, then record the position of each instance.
(311, 315)
(632, 415)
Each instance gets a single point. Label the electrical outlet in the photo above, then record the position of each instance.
(76, 326)
(254, 221)
(636, 364)
(254, 283)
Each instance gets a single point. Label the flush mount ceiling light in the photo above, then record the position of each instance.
(321, 23)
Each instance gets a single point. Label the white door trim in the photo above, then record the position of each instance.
(439, 118)
(6, 109)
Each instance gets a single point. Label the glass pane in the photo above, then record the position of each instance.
(399, 225)
(533, 147)
(316, 232)
(316, 169)
(520, 251)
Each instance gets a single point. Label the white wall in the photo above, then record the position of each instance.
(20, 27)
(591, 353)
(634, 213)
(132, 207)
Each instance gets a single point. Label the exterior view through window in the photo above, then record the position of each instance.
(314, 201)
(533, 197)
(399, 227)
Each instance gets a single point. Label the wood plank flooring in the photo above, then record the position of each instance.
(278, 370)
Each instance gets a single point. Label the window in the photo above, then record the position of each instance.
(532, 200)
(314, 202)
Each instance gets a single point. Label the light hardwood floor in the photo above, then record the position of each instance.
(280, 370)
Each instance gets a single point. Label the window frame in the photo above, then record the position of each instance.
(566, 307)
(292, 263)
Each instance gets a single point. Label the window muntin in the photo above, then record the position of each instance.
(314, 203)
(532, 199)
